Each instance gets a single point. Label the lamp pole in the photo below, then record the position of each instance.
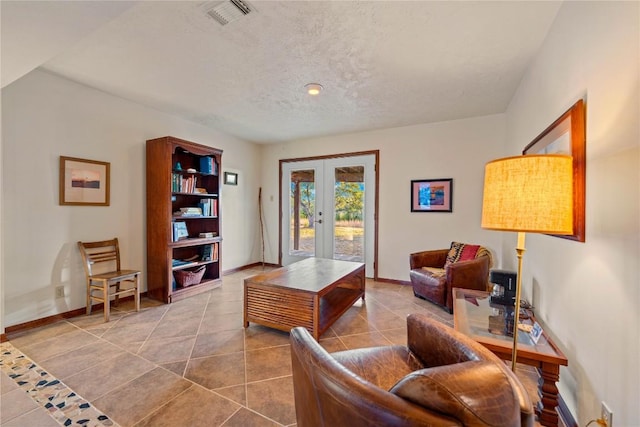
(520, 249)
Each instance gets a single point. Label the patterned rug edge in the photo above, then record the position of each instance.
(62, 403)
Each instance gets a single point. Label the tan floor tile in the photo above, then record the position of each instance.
(374, 307)
(34, 336)
(14, 403)
(351, 325)
(217, 371)
(404, 311)
(149, 315)
(167, 350)
(170, 327)
(108, 375)
(72, 362)
(332, 344)
(195, 407)
(396, 336)
(95, 321)
(370, 339)
(125, 334)
(245, 417)
(54, 346)
(221, 342)
(137, 399)
(222, 322)
(226, 296)
(35, 418)
(274, 399)
(184, 313)
(267, 363)
(236, 393)
(7, 384)
(177, 368)
(257, 337)
(383, 321)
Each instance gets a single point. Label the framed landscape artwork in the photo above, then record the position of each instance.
(84, 182)
(567, 136)
(432, 195)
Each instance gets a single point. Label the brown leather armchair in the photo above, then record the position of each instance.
(435, 273)
(441, 378)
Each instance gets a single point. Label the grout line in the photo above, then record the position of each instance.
(162, 405)
(204, 312)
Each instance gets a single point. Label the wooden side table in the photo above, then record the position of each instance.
(475, 316)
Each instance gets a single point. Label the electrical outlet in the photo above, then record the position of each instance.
(607, 415)
(59, 291)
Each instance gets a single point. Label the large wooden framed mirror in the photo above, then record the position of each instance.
(567, 136)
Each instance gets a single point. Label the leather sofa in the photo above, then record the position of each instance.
(434, 274)
(440, 378)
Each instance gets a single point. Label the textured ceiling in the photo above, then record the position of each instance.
(382, 63)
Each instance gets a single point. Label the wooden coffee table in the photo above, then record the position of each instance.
(475, 316)
(312, 293)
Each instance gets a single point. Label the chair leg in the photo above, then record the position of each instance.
(105, 295)
(89, 299)
(136, 295)
(117, 299)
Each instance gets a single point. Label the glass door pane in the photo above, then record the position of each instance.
(302, 202)
(348, 231)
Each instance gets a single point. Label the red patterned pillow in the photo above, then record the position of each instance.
(461, 252)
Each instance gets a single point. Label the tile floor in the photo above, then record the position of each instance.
(192, 362)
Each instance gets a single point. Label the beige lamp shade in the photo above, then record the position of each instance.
(532, 193)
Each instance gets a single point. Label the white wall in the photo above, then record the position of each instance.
(588, 294)
(44, 117)
(455, 149)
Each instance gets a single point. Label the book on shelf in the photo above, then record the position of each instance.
(214, 255)
(208, 165)
(182, 263)
(210, 252)
(188, 211)
(208, 234)
(182, 184)
(209, 207)
(180, 231)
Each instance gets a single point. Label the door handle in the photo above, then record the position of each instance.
(318, 221)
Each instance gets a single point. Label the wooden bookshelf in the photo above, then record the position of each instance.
(182, 177)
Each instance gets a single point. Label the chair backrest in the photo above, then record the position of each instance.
(100, 257)
(327, 394)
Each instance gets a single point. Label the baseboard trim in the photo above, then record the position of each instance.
(393, 281)
(47, 320)
(57, 317)
(565, 415)
(248, 266)
(81, 311)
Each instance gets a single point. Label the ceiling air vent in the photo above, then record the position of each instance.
(229, 11)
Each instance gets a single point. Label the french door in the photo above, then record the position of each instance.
(328, 209)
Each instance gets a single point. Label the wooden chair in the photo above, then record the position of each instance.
(101, 262)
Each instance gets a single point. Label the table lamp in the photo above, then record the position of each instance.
(528, 194)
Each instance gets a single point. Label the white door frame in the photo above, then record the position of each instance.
(371, 199)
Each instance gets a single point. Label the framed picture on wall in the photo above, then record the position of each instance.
(432, 195)
(84, 182)
(231, 178)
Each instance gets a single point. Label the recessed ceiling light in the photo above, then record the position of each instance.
(313, 89)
